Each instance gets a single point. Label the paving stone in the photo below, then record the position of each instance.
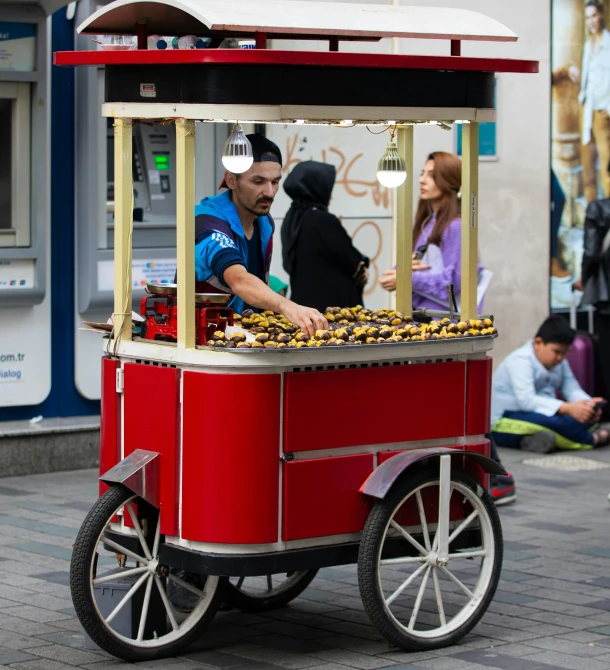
(513, 598)
(495, 659)
(555, 527)
(351, 659)
(12, 656)
(215, 659)
(273, 656)
(34, 613)
(42, 664)
(566, 661)
(287, 628)
(17, 641)
(56, 577)
(43, 549)
(567, 646)
(290, 644)
(63, 654)
(514, 576)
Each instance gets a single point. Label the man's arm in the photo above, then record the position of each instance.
(255, 292)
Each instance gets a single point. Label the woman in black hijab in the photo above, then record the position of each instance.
(325, 268)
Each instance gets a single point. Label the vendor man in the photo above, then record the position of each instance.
(234, 239)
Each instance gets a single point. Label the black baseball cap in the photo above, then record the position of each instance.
(263, 151)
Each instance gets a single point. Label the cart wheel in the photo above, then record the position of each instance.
(256, 594)
(426, 587)
(158, 629)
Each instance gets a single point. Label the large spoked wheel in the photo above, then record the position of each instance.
(121, 594)
(257, 594)
(425, 581)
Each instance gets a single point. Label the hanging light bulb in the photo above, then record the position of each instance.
(391, 169)
(237, 152)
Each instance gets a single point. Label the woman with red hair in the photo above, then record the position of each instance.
(437, 236)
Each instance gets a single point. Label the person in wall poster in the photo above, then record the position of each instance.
(595, 100)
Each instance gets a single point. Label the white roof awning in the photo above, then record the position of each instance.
(294, 18)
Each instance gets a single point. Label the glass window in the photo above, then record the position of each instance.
(6, 163)
(15, 177)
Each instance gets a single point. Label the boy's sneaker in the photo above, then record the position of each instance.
(541, 443)
(502, 489)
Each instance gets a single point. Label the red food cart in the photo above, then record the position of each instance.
(251, 469)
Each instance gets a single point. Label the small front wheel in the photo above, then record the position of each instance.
(258, 594)
(417, 595)
(119, 589)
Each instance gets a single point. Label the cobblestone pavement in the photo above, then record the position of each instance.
(552, 608)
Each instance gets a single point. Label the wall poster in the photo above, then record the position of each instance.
(580, 132)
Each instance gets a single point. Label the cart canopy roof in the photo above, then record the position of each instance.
(294, 19)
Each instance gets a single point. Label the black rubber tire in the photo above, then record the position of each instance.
(84, 553)
(370, 547)
(236, 598)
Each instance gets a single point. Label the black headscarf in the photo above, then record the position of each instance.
(310, 185)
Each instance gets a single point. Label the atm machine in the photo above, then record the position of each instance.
(25, 304)
(154, 228)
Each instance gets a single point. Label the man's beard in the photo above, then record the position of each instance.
(260, 207)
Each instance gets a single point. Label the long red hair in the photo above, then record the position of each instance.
(448, 178)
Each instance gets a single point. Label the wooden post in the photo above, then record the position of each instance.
(123, 225)
(185, 231)
(404, 225)
(470, 217)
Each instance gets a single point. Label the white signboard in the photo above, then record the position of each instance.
(17, 46)
(157, 271)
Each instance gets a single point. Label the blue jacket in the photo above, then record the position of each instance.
(220, 242)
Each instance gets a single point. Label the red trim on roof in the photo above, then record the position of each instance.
(308, 58)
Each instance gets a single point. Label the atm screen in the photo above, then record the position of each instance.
(161, 160)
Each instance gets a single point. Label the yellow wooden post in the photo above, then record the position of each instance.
(123, 225)
(470, 217)
(185, 231)
(404, 225)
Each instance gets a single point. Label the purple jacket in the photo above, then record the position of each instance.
(435, 283)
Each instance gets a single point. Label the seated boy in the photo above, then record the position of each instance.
(525, 410)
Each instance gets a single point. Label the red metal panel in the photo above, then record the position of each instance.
(110, 419)
(297, 58)
(478, 396)
(231, 457)
(409, 513)
(151, 413)
(321, 496)
(475, 469)
(374, 405)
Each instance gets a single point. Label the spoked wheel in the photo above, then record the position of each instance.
(256, 594)
(425, 588)
(120, 592)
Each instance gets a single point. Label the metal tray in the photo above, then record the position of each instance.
(162, 289)
(200, 298)
(212, 298)
(395, 345)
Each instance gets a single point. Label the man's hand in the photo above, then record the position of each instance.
(306, 318)
(578, 285)
(582, 410)
(388, 281)
(574, 74)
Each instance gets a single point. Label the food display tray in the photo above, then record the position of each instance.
(396, 345)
